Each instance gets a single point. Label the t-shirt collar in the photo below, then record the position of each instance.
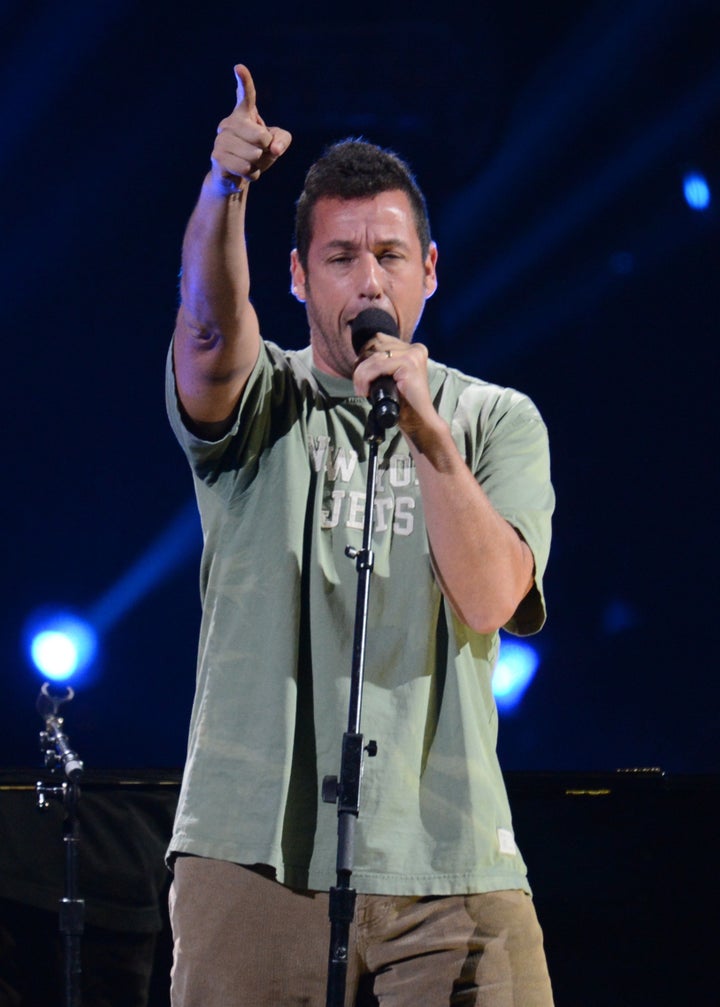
(343, 388)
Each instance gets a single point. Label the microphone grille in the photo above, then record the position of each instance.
(368, 323)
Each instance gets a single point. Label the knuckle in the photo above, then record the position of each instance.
(420, 350)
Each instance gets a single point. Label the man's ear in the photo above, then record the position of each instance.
(298, 281)
(431, 270)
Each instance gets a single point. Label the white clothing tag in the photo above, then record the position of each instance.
(506, 841)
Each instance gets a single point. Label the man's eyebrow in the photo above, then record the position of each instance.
(339, 243)
(348, 245)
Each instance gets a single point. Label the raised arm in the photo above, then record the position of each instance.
(217, 337)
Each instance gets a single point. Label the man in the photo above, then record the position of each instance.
(277, 443)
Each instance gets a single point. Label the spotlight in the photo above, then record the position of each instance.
(513, 673)
(696, 190)
(60, 644)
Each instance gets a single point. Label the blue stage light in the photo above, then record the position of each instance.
(513, 673)
(61, 645)
(697, 191)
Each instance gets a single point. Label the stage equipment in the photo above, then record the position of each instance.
(58, 754)
(345, 790)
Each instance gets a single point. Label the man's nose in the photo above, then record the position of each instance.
(370, 276)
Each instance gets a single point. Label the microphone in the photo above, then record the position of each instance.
(384, 397)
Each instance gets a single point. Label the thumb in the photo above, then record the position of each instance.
(246, 96)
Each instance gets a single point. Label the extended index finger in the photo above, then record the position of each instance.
(245, 88)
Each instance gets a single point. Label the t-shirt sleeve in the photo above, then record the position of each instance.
(237, 446)
(512, 464)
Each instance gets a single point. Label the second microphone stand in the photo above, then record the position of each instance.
(56, 746)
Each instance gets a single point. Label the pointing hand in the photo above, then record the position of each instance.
(245, 147)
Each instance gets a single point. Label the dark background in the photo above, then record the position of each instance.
(551, 141)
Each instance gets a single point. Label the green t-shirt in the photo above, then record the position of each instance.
(281, 496)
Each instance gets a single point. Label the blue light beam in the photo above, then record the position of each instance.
(589, 198)
(63, 645)
(168, 551)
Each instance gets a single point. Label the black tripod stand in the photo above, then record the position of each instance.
(58, 754)
(345, 790)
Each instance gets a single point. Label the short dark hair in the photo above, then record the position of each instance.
(357, 169)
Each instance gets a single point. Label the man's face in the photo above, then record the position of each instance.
(364, 253)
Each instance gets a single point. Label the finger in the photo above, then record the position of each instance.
(281, 140)
(371, 365)
(385, 355)
(246, 96)
(381, 344)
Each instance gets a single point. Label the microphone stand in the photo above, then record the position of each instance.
(55, 744)
(345, 791)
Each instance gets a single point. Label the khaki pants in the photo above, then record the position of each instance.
(243, 940)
